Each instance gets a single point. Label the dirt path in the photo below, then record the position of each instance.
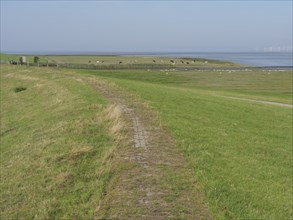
(260, 101)
(156, 182)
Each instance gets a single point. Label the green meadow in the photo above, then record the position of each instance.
(150, 60)
(240, 151)
(111, 60)
(54, 137)
(252, 84)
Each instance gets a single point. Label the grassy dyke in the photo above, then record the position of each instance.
(54, 138)
(123, 61)
(241, 152)
(144, 60)
(260, 85)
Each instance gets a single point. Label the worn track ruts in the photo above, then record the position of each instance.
(156, 182)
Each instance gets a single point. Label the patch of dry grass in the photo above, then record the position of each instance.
(57, 139)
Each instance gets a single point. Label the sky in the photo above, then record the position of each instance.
(145, 26)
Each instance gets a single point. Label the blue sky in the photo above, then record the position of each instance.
(140, 26)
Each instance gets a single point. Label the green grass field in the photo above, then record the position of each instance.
(110, 60)
(53, 139)
(241, 152)
(259, 85)
(125, 60)
(53, 144)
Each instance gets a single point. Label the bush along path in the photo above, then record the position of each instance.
(155, 181)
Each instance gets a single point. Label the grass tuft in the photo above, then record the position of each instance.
(78, 152)
(19, 89)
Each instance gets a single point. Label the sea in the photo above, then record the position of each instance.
(258, 59)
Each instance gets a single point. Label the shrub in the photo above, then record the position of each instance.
(36, 59)
(19, 89)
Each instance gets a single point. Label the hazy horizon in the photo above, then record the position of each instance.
(136, 52)
(145, 26)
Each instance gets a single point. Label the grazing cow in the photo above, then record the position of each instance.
(120, 62)
(172, 61)
(154, 61)
(187, 62)
(181, 61)
(102, 61)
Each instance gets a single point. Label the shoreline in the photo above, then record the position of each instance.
(269, 68)
(264, 60)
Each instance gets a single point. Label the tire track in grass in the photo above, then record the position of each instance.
(155, 181)
(259, 101)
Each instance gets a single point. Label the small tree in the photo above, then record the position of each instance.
(36, 59)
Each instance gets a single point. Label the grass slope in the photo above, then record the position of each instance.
(53, 142)
(241, 152)
(263, 85)
(119, 61)
(110, 60)
(54, 138)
